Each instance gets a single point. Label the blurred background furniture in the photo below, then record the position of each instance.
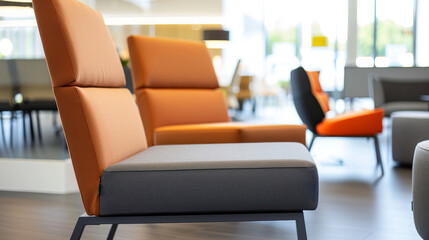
(420, 201)
(395, 94)
(32, 92)
(5, 106)
(245, 93)
(366, 123)
(356, 78)
(408, 129)
(5, 98)
(180, 101)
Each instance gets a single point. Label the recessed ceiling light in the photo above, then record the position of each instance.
(15, 3)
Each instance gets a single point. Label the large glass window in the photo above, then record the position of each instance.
(365, 33)
(324, 41)
(24, 42)
(394, 33)
(422, 50)
(282, 23)
(292, 27)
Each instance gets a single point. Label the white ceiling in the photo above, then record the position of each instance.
(136, 8)
(157, 8)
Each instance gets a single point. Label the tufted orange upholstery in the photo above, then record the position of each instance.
(101, 122)
(318, 93)
(176, 89)
(361, 123)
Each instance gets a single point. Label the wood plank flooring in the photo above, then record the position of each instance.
(354, 205)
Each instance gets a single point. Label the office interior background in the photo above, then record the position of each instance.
(344, 40)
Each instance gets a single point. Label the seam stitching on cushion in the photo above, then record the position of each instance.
(212, 169)
(65, 42)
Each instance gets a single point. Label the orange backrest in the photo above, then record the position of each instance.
(175, 83)
(100, 120)
(314, 81)
(316, 88)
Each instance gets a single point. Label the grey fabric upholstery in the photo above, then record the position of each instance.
(391, 107)
(420, 189)
(397, 94)
(408, 129)
(211, 178)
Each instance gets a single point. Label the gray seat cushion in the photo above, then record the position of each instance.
(211, 178)
(391, 107)
(408, 129)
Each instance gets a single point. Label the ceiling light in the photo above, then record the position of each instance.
(6, 47)
(16, 3)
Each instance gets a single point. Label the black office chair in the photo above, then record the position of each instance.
(365, 123)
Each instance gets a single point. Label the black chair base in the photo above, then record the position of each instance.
(376, 145)
(85, 220)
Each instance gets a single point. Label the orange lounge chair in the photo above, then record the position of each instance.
(179, 100)
(121, 180)
(366, 123)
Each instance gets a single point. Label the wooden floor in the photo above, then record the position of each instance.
(354, 204)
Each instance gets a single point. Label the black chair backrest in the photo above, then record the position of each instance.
(306, 104)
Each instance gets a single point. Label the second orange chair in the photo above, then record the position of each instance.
(179, 100)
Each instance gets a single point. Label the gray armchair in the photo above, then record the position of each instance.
(394, 94)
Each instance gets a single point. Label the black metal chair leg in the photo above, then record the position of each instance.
(312, 141)
(2, 128)
(39, 129)
(23, 127)
(12, 117)
(78, 229)
(300, 227)
(112, 232)
(378, 155)
(30, 117)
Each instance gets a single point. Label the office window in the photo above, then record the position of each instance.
(25, 41)
(365, 33)
(282, 24)
(422, 34)
(394, 33)
(326, 21)
(291, 27)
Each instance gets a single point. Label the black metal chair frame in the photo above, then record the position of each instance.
(85, 220)
(376, 145)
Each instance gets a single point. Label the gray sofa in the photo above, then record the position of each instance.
(394, 94)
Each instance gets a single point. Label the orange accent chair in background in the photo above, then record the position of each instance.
(366, 123)
(180, 101)
(319, 94)
(121, 180)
